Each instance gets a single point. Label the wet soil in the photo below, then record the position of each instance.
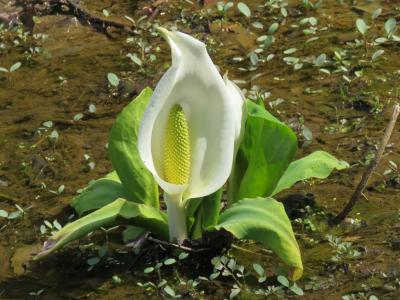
(70, 73)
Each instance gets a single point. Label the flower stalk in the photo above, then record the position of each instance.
(176, 218)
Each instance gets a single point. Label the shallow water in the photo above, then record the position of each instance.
(346, 119)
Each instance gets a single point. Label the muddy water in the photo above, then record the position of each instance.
(70, 74)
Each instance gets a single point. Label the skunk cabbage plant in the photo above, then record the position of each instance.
(188, 131)
(190, 136)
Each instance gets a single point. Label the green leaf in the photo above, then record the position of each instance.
(377, 54)
(267, 148)
(296, 289)
(124, 155)
(376, 13)
(100, 193)
(169, 291)
(169, 261)
(131, 232)
(273, 28)
(390, 26)
(283, 280)
(113, 79)
(3, 214)
(15, 66)
(118, 212)
(318, 164)
(244, 9)
(259, 269)
(362, 27)
(264, 220)
(205, 211)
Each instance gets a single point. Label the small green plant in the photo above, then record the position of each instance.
(11, 70)
(50, 228)
(343, 250)
(19, 213)
(36, 294)
(293, 287)
(359, 296)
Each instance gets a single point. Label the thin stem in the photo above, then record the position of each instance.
(371, 168)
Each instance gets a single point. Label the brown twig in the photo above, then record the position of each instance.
(49, 7)
(84, 15)
(182, 247)
(370, 169)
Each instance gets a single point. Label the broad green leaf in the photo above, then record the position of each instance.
(267, 148)
(118, 212)
(124, 155)
(362, 27)
(100, 193)
(244, 9)
(318, 164)
(264, 220)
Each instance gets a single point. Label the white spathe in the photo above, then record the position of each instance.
(213, 107)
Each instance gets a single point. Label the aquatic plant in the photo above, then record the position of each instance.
(194, 133)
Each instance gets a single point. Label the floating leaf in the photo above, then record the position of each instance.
(259, 269)
(290, 51)
(390, 26)
(376, 13)
(169, 261)
(92, 108)
(257, 25)
(361, 26)
(169, 291)
(377, 54)
(15, 67)
(380, 40)
(54, 135)
(320, 60)
(106, 13)
(284, 12)
(113, 79)
(273, 28)
(296, 289)
(148, 270)
(234, 293)
(135, 59)
(283, 280)
(3, 213)
(48, 124)
(244, 9)
(78, 117)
